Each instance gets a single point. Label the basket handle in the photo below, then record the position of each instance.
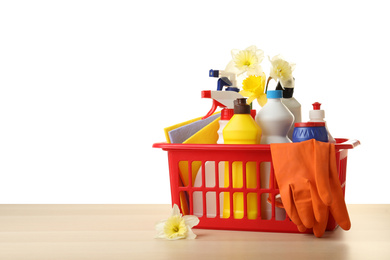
(348, 144)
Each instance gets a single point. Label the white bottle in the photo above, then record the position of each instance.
(275, 120)
(211, 202)
(318, 115)
(292, 104)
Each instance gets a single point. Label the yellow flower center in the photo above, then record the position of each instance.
(175, 227)
(245, 58)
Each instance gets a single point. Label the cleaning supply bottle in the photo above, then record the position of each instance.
(241, 129)
(304, 131)
(224, 99)
(275, 120)
(291, 103)
(318, 115)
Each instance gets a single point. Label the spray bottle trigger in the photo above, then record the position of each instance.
(213, 108)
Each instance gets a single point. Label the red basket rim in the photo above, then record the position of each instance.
(341, 143)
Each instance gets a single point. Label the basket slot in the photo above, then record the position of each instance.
(343, 173)
(209, 180)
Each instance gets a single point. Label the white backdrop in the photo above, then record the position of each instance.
(86, 87)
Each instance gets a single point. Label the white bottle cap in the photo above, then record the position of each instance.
(316, 114)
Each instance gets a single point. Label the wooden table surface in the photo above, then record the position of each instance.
(127, 232)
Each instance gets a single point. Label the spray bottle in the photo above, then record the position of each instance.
(241, 129)
(225, 100)
(291, 103)
(318, 115)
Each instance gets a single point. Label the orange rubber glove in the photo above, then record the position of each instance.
(309, 186)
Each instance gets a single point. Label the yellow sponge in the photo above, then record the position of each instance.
(170, 128)
(207, 135)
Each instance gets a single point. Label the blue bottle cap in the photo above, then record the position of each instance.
(274, 94)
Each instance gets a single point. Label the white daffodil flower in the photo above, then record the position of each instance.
(248, 60)
(177, 226)
(282, 70)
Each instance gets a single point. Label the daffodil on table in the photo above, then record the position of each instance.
(177, 226)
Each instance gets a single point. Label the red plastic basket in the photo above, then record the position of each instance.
(194, 157)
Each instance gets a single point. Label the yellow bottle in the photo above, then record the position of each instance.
(241, 129)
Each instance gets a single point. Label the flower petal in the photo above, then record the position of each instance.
(255, 71)
(293, 65)
(175, 211)
(176, 237)
(250, 99)
(190, 234)
(245, 93)
(251, 48)
(262, 100)
(235, 52)
(160, 229)
(191, 220)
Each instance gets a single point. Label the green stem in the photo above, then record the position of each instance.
(266, 87)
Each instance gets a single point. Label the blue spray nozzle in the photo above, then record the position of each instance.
(214, 73)
(228, 79)
(232, 89)
(222, 82)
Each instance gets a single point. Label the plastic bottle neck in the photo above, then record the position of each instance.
(317, 115)
(227, 113)
(287, 92)
(274, 100)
